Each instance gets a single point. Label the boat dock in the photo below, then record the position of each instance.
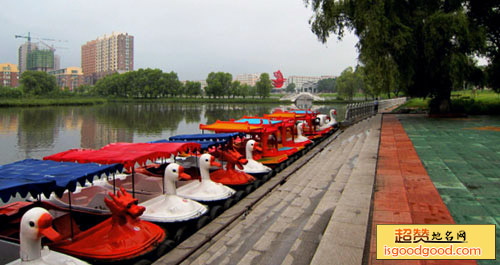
(323, 208)
(316, 211)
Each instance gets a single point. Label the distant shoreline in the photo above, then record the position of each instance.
(77, 101)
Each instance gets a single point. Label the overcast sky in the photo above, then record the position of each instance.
(189, 37)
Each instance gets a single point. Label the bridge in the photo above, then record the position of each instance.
(302, 95)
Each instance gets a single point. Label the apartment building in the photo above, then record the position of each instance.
(9, 75)
(70, 77)
(106, 55)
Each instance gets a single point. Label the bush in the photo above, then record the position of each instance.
(10, 92)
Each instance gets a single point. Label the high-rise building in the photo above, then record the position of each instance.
(89, 61)
(106, 55)
(40, 60)
(33, 57)
(57, 62)
(70, 77)
(249, 79)
(9, 75)
(23, 55)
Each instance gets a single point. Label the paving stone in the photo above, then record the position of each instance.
(292, 212)
(334, 254)
(248, 258)
(346, 214)
(265, 241)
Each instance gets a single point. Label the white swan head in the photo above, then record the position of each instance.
(300, 128)
(333, 113)
(174, 172)
(35, 223)
(252, 145)
(206, 161)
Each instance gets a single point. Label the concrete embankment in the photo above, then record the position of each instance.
(315, 211)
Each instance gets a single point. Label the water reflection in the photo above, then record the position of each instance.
(37, 127)
(37, 132)
(304, 103)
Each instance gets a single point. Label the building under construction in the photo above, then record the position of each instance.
(36, 58)
(33, 57)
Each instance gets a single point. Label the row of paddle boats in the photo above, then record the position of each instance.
(152, 195)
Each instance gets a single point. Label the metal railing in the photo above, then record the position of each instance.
(357, 111)
(388, 103)
(362, 110)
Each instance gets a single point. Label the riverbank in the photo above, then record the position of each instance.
(38, 102)
(463, 102)
(75, 101)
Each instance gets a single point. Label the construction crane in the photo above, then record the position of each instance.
(29, 38)
(51, 47)
(41, 40)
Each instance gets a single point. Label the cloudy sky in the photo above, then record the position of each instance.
(190, 37)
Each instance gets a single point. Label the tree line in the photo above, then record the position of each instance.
(143, 83)
(419, 48)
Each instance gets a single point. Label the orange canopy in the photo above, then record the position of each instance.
(284, 115)
(231, 126)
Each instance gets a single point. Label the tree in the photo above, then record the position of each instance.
(326, 86)
(486, 15)
(235, 88)
(253, 91)
(171, 83)
(37, 83)
(218, 84)
(420, 46)
(347, 83)
(83, 89)
(290, 88)
(245, 90)
(193, 88)
(263, 85)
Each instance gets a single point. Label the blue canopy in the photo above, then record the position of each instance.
(204, 144)
(44, 176)
(206, 137)
(302, 111)
(253, 121)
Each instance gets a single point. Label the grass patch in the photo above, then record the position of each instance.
(36, 102)
(467, 101)
(203, 100)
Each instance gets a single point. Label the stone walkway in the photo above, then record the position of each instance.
(404, 193)
(325, 210)
(462, 158)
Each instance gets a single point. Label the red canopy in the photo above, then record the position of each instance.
(127, 154)
(166, 149)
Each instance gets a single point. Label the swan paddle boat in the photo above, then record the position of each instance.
(158, 195)
(266, 134)
(327, 123)
(312, 121)
(122, 238)
(129, 155)
(35, 224)
(252, 166)
(205, 190)
(170, 207)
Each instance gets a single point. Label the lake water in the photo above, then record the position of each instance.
(41, 131)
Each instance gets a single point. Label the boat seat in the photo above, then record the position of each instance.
(63, 226)
(149, 184)
(80, 200)
(97, 202)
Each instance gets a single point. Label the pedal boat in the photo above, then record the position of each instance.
(122, 238)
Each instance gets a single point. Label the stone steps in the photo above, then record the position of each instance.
(309, 238)
(291, 224)
(344, 239)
